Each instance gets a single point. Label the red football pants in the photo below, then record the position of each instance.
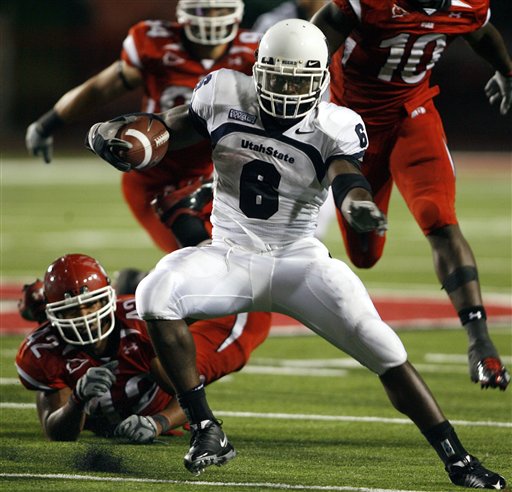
(224, 345)
(412, 154)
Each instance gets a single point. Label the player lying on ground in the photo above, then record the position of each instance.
(92, 364)
(383, 73)
(277, 150)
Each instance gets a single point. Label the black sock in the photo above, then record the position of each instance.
(444, 440)
(195, 406)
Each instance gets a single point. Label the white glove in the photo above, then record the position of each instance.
(499, 88)
(364, 216)
(137, 428)
(96, 381)
(37, 144)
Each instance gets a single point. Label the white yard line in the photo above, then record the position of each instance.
(258, 485)
(306, 416)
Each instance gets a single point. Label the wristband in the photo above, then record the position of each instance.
(343, 183)
(49, 122)
(76, 400)
(163, 421)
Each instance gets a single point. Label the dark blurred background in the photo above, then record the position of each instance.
(48, 47)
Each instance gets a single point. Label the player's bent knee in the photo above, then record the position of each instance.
(364, 261)
(429, 215)
(154, 297)
(366, 251)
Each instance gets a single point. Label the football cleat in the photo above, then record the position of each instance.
(485, 366)
(470, 473)
(208, 446)
(490, 373)
(32, 303)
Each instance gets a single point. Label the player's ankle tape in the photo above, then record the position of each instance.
(459, 277)
(164, 422)
(473, 313)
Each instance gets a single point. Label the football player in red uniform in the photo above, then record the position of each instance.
(92, 364)
(383, 73)
(168, 60)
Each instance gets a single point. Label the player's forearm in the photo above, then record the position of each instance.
(488, 43)
(183, 132)
(93, 93)
(335, 26)
(65, 423)
(76, 103)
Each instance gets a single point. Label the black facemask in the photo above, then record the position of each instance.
(432, 4)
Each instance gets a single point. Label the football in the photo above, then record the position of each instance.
(149, 138)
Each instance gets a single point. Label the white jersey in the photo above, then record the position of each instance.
(269, 183)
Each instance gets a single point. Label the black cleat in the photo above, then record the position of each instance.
(488, 371)
(493, 374)
(470, 473)
(208, 446)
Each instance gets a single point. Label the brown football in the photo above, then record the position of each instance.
(149, 138)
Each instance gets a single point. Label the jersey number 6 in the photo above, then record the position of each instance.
(259, 196)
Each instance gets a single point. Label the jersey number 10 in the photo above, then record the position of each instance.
(411, 56)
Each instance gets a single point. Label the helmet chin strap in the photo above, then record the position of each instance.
(432, 4)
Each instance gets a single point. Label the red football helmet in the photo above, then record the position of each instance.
(81, 301)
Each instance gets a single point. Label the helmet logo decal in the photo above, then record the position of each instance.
(73, 365)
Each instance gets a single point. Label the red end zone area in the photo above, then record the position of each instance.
(400, 311)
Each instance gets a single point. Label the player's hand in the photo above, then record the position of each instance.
(364, 216)
(32, 303)
(96, 381)
(102, 140)
(499, 90)
(193, 199)
(138, 429)
(37, 144)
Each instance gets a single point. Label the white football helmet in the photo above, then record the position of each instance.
(210, 22)
(291, 70)
(81, 301)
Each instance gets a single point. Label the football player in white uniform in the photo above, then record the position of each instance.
(276, 150)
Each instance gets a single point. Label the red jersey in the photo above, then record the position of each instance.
(158, 49)
(45, 362)
(388, 58)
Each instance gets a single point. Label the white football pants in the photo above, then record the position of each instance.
(299, 280)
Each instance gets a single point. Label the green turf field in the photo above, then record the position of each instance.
(280, 413)
(301, 415)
